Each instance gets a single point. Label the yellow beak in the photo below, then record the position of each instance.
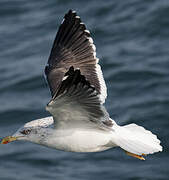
(8, 139)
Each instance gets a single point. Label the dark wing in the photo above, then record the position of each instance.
(77, 103)
(73, 46)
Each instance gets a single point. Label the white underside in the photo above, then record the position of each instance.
(79, 140)
(88, 138)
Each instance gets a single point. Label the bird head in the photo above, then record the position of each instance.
(34, 131)
(22, 134)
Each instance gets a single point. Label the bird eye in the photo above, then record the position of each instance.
(25, 131)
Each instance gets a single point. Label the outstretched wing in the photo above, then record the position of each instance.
(73, 46)
(77, 102)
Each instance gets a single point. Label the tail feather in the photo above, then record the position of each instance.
(136, 139)
(141, 130)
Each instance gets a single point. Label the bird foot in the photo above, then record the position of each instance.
(135, 155)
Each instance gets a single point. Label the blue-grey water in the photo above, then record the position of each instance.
(132, 40)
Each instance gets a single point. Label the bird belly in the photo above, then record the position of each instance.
(80, 140)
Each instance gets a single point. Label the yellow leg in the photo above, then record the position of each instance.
(136, 156)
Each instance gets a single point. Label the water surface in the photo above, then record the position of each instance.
(132, 40)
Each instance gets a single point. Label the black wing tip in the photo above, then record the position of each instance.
(70, 13)
(71, 34)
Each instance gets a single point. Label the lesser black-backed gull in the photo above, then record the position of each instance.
(79, 121)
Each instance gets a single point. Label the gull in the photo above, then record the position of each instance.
(79, 121)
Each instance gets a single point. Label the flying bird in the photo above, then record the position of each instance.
(79, 121)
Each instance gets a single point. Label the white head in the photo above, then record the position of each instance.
(34, 131)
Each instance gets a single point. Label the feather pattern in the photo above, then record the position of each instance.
(76, 100)
(73, 46)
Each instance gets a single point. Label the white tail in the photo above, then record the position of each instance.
(136, 139)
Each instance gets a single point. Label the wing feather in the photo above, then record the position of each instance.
(73, 46)
(77, 102)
